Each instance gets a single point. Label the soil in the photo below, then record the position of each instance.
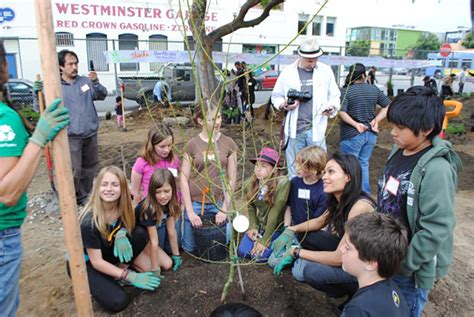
(196, 288)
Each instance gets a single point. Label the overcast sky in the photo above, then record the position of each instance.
(429, 15)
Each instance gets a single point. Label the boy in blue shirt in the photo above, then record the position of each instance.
(372, 251)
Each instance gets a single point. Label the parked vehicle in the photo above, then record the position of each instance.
(266, 80)
(177, 77)
(20, 92)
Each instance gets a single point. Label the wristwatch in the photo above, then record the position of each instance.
(296, 252)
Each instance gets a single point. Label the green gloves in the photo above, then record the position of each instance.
(37, 86)
(146, 280)
(177, 262)
(283, 242)
(122, 247)
(52, 121)
(287, 260)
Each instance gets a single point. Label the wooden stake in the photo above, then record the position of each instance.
(62, 160)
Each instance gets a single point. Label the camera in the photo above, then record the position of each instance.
(294, 94)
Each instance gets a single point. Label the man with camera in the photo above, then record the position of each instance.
(308, 92)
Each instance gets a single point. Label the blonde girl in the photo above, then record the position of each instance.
(156, 153)
(113, 241)
(158, 212)
(307, 199)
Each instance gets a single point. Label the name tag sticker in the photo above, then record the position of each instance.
(303, 193)
(410, 201)
(85, 87)
(392, 185)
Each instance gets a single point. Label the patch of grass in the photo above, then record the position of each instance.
(29, 113)
(456, 128)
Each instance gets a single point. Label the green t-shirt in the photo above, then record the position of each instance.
(13, 140)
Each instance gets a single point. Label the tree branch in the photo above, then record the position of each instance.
(239, 22)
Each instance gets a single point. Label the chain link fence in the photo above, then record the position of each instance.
(24, 61)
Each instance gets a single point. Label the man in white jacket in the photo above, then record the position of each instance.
(306, 121)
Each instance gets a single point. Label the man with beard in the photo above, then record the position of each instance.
(79, 93)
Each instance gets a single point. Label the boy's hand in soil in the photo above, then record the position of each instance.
(145, 280)
(177, 262)
(283, 242)
(122, 247)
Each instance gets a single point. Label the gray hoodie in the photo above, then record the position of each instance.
(79, 97)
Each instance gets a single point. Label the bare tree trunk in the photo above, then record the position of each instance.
(205, 72)
(203, 43)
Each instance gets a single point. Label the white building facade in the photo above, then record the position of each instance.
(90, 27)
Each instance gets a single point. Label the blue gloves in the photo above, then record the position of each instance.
(122, 247)
(177, 262)
(52, 121)
(283, 242)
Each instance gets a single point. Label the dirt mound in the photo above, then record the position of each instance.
(196, 288)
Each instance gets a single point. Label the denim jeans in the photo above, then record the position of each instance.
(361, 146)
(246, 246)
(295, 145)
(416, 297)
(329, 279)
(10, 260)
(185, 229)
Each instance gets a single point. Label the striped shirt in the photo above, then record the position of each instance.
(359, 101)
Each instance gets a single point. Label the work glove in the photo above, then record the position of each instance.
(52, 121)
(122, 247)
(287, 260)
(37, 86)
(145, 280)
(177, 262)
(283, 242)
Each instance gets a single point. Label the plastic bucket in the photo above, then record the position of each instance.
(210, 240)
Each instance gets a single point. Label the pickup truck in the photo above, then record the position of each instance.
(179, 78)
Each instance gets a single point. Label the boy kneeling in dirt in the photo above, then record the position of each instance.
(372, 251)
(417, 187)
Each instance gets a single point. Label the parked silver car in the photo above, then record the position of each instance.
(20, 92)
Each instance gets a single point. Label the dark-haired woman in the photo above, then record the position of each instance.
(19, 158)
(319, 261)
(359, 124)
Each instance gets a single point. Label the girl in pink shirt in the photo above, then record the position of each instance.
(156, 153)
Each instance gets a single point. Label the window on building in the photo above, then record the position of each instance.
(466, 62)
(453, 64)
(330, 26)
(157, 42)
(317, 25)
(382, 49)
(128, 42)
(391, 49)
(96, 44)
(64, 39)
(393, 35)
(302, 19)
